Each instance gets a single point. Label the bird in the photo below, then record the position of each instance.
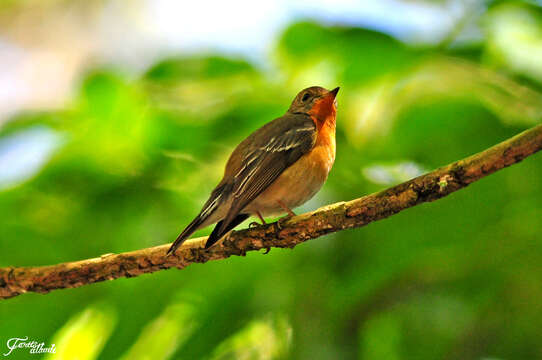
(278, 167)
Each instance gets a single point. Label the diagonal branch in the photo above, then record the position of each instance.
(344, 215)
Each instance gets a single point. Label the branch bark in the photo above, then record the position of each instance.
(343, 215)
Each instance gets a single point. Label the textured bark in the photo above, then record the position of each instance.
(332, 218)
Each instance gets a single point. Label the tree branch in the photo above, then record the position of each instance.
(332, 218)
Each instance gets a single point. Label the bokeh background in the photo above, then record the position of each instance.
(116, 118)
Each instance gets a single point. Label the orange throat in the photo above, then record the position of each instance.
(323, 114)
(323, 111)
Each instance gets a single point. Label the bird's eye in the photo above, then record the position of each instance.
(306, 97)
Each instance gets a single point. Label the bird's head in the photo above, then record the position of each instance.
(317, 102)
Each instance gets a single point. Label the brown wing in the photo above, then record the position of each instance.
(265, 155)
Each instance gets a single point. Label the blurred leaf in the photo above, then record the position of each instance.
(259, 340)
(84, 335)
(381, 338)
(339, 56)
(515, 38)
(161, 337)
(198, 68)
(376, 106)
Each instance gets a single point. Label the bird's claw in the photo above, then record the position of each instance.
(198, 257)
(282, 220)
(267, 250)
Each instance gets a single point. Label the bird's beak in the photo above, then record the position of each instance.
(333, 95)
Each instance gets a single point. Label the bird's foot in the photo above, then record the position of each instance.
(261, 217)
(255, 223)
(284, 219)
(267, 250)
(286, 209)
(198, 257)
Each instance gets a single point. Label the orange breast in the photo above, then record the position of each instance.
(301, 181)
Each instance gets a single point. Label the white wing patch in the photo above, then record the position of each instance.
(285, 142)
(209, 209)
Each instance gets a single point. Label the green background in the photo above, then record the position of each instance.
(459, 278)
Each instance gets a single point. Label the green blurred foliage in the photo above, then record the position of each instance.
(455, 279)
(83, 336)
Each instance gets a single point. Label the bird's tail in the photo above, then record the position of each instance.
(189, 230)
(215, 200)
(219, 231)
